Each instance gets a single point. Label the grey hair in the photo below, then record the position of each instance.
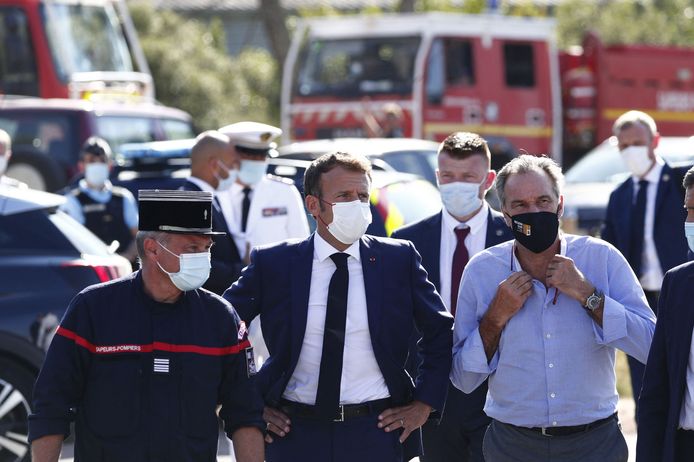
(630, 118)
(528, 163)
(688, 181)
(142, 235)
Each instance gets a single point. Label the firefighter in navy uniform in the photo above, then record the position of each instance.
(108, 211)
(141, 363)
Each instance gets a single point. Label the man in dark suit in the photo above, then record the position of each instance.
(337, 311)
(213, 168)
(666, 406)
(644, 215)
(464, 176)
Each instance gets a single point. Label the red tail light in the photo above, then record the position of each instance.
(104, 273)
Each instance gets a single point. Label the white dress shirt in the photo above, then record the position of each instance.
(233, 215)
(651, 271)
(362, 379)
(474, 242)
(687, 410)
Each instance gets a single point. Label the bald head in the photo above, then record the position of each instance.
(5, 143)
(211, 157)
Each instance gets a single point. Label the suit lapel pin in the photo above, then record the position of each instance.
(666, 177)
(372, 259)
(499, 232)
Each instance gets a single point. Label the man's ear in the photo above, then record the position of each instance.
(560, 209)
(312, 205)
(151, 247)
(491, 176)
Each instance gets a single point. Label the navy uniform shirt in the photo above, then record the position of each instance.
(142, 379)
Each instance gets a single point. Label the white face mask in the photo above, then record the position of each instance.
(194, 270)
(3, 165)
(459, 198)
(689, 233)
(350, 220)
(252, 171)
(96, 173)
(225, 183)
(636, 159)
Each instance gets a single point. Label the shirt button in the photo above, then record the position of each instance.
(551, 365)
(552, 395)
(548, 335)
(554, 423)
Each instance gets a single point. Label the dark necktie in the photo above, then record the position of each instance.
(460, 258)
(638, 223)
(328, 394)
(245, 207)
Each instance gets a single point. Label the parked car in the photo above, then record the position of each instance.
(46, 258)
(47, 133)
(591, 180)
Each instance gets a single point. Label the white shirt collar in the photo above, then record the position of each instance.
(322, 249)
(654, 175)
(476, 223)
(202, 184)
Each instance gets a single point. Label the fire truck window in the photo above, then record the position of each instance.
(520, 65)
(435, 86)
(459, 63)
(17, 65)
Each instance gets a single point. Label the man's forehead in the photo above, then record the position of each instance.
(529, 184)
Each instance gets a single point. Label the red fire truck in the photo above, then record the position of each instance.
(71, 49)
(499, 76)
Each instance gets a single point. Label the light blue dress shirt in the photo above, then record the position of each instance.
(554, 365)
(73, 207)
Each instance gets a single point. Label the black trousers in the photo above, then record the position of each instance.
(684, 446)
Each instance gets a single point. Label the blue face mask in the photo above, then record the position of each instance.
(689, 233)
(252, 171)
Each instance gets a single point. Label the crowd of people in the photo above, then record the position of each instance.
(471, 335)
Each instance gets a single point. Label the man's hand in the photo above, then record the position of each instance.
(409, 418)
(276, 421)
(510, 297)
(563, 275)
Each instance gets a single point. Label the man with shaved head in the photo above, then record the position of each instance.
(214, 168)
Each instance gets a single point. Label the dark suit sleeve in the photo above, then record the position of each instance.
(608, 232)
(655, 393)
(245, 294)
(435, 325)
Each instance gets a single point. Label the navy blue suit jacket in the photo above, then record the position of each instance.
(226, 261)
(668, 224)
(276, 284)
(666, 370)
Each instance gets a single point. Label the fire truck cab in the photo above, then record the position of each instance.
(494, 75)
(71, 49)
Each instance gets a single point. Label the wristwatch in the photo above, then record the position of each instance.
(594, 300)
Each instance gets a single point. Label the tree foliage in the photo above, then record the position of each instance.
(193, 72)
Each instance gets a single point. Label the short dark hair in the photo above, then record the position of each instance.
(688, 181)
(327, 162)
(97, 147)
(461, 145)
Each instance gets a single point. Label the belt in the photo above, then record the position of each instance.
(342, 412)
(571, 430)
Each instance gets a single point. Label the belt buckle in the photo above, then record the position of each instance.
(544, 432)
(341, 416)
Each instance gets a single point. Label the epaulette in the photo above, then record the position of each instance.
(279, 179)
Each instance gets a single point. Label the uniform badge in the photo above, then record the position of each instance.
(161, 365)
(274, 211)
(250, 362)
(243, 331)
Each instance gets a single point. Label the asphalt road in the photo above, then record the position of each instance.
(626, 417)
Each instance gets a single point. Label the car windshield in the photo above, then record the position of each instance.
(357, 67)
(604, 165)
(85, 37)
(118, 130)
(80, 237)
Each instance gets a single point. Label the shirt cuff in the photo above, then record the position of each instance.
(46, 427)
(470, 365)
(614, 323)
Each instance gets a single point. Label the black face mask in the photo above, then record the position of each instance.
(535, 231)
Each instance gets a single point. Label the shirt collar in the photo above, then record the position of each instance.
(202, 184)
(654, 175)
(322, 249)
(84, 186)
(515, 264)
(475, 223)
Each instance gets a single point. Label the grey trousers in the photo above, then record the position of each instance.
(506, 443)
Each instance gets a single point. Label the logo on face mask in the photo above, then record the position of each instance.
(350, 220)
(535, 231)
(194, 269)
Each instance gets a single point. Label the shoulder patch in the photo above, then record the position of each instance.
(243, 331)
(280, 179)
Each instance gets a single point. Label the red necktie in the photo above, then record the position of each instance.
(460, 258)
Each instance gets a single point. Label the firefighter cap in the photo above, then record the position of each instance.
(183, 212)
(252, 137)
